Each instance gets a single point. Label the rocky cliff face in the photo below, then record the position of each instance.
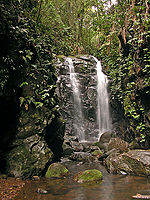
(86, 73)
(32, 127)
(85, 69)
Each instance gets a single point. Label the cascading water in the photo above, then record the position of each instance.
(103, 114)
(78, 116)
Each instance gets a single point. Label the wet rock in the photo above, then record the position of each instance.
(77, 146)
(35, 178)
(93, 148)
(41, 191)
(56, 170)
(80, 163)
(71, 144)
(134, 162)
(86, 74)
(74, 138)
(92, 175)
(81, 157)
(54, 135)
(104, 146)
(105, 137)
(104, 140)
(97, 153)
(112, 152)
(67, 150)
(119, 144)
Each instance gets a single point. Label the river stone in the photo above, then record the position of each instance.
(41, 191)
(81, 157)
(67, 149)
(134, 162)
(92, 175)
(105, 139)
(56, 170)
(112, 152)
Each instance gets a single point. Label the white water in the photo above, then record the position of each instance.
(78, 116)
(103, 114)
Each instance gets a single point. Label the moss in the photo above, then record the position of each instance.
(28, 159)
(96, 144)
(80, 55)
(56, 170)
(97, 153)
(19, 160)
(61, 57)
(134, 145)
(91, 175)
(137, 167)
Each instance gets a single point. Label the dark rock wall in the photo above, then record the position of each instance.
(85, 67)
(31, 126)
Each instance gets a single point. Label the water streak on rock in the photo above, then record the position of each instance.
(78, 116)
(103, 114)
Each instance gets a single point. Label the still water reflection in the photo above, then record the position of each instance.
(113, 187)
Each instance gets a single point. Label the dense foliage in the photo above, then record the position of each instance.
(129, 68)
(118, 34)
(27, 76)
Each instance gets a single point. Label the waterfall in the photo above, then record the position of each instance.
(103, 114)
(78, 116)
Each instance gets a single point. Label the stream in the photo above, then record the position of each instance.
(113, 187)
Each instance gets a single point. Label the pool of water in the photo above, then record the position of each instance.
(113, 187)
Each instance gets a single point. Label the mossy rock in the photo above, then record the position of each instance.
(96, 144)
(28, 159)
(134, 162)
(97, 153)
(56, 170)
(91, 175)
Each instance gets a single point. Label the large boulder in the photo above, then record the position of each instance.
(81, 157)
(134, 162)
(119, 144)
(105, 139)
(56, 170)
(29, 158)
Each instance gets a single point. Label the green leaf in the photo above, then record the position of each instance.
(22, 100)
(24, 83)
(24, 58)
(28, 56)
(38, 104)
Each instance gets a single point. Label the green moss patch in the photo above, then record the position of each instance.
(97, 153)
(91, 175)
